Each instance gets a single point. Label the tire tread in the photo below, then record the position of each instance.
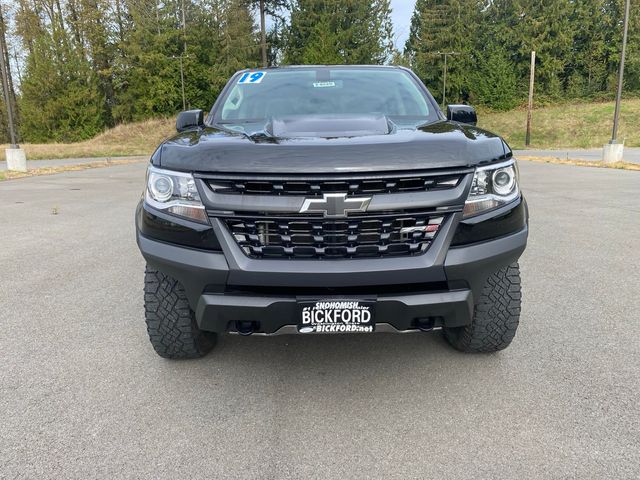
(496, 314)
(171, 324)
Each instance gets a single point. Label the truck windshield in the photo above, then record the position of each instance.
(258, 96)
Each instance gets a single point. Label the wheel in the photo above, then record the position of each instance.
(496, 315)
(171, 324)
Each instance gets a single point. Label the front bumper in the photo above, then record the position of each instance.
(272, 315)
(225, 287)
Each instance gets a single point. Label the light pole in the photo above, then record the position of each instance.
(616, 115)
(263, 35)
(184, 100)
(5, 90)
(180, 58)
(184, 54)
(184, 31)
(444, 81)
(614, 150)
(444, 74)
(532, 74)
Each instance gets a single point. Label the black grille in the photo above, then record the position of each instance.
(318, 238)
(351, 186)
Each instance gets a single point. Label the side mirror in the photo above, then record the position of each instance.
(462, 114)
(189, 119)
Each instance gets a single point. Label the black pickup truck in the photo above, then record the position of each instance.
(331, 199)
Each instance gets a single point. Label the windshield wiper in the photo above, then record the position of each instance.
(238, 122)
(257, 135)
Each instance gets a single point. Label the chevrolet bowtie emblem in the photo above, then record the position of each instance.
(335, 205)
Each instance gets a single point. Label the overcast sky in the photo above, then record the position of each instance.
(402, 10)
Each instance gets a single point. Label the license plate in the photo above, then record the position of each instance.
(336, 316)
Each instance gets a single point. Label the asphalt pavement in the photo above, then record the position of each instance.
(83, 395)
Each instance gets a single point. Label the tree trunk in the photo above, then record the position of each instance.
(263, 35)
(10, 85)
(119, 21)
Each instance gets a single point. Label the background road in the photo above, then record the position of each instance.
(82, 395)
(61, 162)
(630, 155)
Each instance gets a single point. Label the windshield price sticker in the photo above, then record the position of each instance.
(251, 77)
(324, 84)
(336, 317)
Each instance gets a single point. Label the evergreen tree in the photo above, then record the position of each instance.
(587, 67)
(439, 27)
(337, 32)
(239, 43)
(632, 68)
(220, 38)
(276, 41)
(494, 81)
(614, 17)
(88, 64)
(577, 47)
(89, 24)
(273, 8)
(543, 26)
(147, 76)
(61, 98)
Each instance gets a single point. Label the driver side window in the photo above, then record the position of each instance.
(231, 107)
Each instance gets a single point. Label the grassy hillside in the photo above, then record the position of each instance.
(584, 125)
(129, 139)
(563, 126)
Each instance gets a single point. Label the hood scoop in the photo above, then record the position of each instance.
(329, 126)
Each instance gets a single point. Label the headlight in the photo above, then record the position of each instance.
(175, 193)
(493, 186)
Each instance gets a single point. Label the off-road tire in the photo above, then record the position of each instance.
(496, 315)
(171, 324)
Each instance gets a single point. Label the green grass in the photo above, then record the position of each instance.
(581, 125)
(139, 138)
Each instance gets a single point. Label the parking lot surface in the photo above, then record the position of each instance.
(83, 395)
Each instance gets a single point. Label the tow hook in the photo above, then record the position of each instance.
(245, 328)
(425, 324)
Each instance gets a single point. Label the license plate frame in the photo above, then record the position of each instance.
(341, 315)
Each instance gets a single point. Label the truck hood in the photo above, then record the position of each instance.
(438, 145)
